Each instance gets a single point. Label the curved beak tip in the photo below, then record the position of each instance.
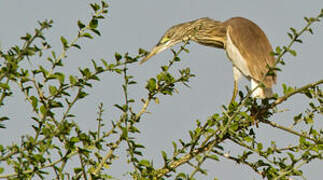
(157, 49)
(154, 51)
(146, 58)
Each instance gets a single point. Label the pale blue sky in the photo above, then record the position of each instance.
(139, 24)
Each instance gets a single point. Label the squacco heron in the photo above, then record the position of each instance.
(245, 43)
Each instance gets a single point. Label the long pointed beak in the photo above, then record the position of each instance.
(157, 49)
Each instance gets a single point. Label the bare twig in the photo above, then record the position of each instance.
(296, 91)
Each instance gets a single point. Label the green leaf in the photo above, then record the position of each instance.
(60, 77)
(248, 139)
(308, 120)
(97, 32)
(291, 156)
(133, 129)
(55, 104)
(310, 30)
(145, 163)
(93, 23)
(215, 157)
(87, 35)
(95, 7)
(278, 50)
(119, 107)
(4, 118)
(164, 68)
(298, 118)
(181, 176)
(299, 40)
(52, 90)
(94, 65)
(174, 146)
(142, 51)
(308, 93)
(64, 42)
(260, 163)
(104, 62)
(82, 94)
(164, 155)
(117, 56)
(259, 146)
(104, 4)
(177, 59)
(38, 158)
(78, 170)
(27, 37)
(282, 62)
(76, 45)
(43, 110)
(156, 99)
(292, 52)
(43, 70)
(151, 84)
(287, 89)
(293, 30)
(132, 82)
(161, 76)
(80, 24)
(198, 131)
(75, 139)
(72, 80)
(86, 72)
(34, 102)
(4, 86)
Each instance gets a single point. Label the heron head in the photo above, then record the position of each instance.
(174, 35)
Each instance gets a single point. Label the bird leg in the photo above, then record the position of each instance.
(236, 76)
(235, 91)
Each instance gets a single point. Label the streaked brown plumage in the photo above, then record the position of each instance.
(245, 43)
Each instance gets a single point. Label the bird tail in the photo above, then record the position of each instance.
(260, 92)
(268, 92)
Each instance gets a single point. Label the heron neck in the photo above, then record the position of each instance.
(207, 32)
